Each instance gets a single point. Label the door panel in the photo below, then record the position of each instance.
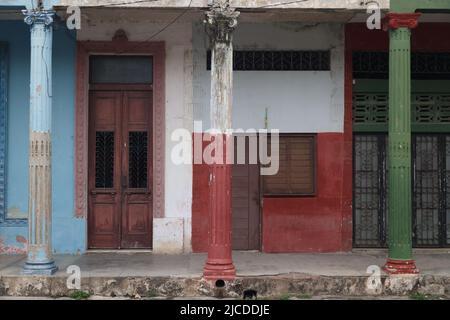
(245, 204)
(431, 165)
(120, 200)
(104, 164)
(136, 174)
(370, 190)
(446, 223)
(427, 196)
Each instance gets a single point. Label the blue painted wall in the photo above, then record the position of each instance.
(69, 233)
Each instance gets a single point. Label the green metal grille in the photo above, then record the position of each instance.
(430, 108)
(370, 108)
(429, 112)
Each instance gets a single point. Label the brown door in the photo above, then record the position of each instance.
(245, 204)
(120, 171)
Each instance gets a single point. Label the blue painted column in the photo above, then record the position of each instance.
(39, 258)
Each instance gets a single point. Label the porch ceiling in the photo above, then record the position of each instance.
(196, 14)
(308, 11)
(250, 4)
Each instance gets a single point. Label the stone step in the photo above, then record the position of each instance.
(287, 285)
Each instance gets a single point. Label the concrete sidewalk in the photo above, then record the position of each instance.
(147, 264)
(137, 273)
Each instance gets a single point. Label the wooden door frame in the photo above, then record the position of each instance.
(118, 46)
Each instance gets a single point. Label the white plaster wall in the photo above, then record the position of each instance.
(172, 233)
(296, 101)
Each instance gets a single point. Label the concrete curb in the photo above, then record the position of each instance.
(265, 286)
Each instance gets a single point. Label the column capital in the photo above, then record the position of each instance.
(38, 16)
(394, 21)
(221, 20)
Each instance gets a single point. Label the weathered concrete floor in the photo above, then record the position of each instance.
(247, 264)
(148, 274)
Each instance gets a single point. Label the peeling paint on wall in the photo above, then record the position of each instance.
(20, 248)
(15, 213)
(296, 27)
(69, 234)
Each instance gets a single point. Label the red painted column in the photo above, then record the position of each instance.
(220, 23)
(219, 264)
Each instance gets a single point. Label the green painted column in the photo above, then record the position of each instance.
(400, 259)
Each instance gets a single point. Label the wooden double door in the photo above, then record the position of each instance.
(120, 169)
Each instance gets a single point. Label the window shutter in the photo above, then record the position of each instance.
(296, 175)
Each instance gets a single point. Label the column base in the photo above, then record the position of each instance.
(45, 269)
(219, 271)
(394, 266)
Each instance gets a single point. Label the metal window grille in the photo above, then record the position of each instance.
(370, 191)
(424, 65)
(278, 60)
(138, 159)
(430, 190)
(104, 159)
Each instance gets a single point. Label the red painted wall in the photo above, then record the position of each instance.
(200, 204)
(300, 224)
(426, 37)
(310, 224)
